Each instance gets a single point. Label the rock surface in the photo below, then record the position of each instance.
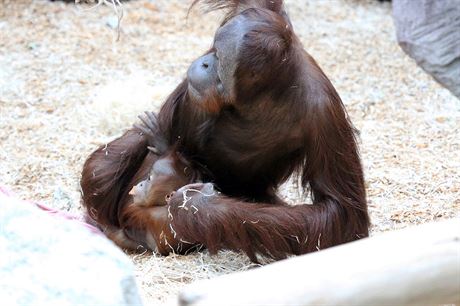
(46, 260)
(429, 32)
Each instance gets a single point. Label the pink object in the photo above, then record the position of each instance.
(6, 191)
(57, 213)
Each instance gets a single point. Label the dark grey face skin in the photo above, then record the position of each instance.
(217, 68)
(140, 191)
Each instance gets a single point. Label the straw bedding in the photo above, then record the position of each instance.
(67, 86)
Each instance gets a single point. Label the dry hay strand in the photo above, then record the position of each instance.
(67, 87)
(163, 277)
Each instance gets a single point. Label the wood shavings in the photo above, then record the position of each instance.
(172, 230)
(187, 198)
(318, 245)
(66, 87)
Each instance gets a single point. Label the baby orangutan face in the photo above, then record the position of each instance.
(167, 175)
(153, 192)
(140, 192)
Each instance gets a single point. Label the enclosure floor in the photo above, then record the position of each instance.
(66, 87)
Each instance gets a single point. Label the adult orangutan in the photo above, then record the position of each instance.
(253, 110)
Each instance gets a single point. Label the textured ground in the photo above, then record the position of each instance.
(66, 86)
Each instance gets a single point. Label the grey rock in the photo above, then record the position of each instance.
(429, 32)
(46, 260)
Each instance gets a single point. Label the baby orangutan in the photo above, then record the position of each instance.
(167, 175)
(144, 220)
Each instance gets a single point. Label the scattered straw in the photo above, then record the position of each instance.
(66, 87)
(117, 7)
(187, 198)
